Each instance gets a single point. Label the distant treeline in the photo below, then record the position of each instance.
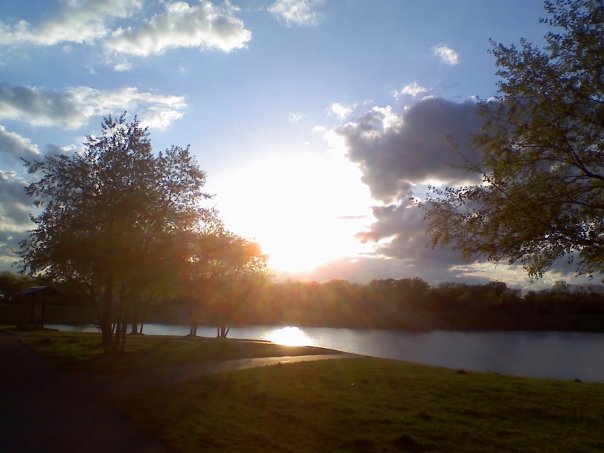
(392, 303)
(409, 303)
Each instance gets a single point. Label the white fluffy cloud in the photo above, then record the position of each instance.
(412, 89)
(446, 54)
(73, 107)
(78, 21)
(206, 26)
(340, 110)
(15, 146)
(296, 12)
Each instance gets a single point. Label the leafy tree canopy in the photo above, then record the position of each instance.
(542, 195)
(107, 214)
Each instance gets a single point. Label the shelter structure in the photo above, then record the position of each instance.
(37, 297)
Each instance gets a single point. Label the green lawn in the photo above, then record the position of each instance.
(359, 404)
(373, 405)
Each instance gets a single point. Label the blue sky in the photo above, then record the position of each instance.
(316, 121)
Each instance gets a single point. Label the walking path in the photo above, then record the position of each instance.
(45, 410)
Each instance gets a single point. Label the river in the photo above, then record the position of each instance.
(557, 355)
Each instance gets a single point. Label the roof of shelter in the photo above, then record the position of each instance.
(34, 290)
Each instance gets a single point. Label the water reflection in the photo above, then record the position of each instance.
(559, 355)
(289, 336)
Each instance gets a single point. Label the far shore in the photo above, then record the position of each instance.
(421, 321)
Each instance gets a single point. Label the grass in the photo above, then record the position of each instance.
(359, 404)
(373, 405)
(83, 351)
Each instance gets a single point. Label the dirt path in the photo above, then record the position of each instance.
(45, 410)
(137, 381)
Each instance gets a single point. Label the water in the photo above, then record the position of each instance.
(558, 355)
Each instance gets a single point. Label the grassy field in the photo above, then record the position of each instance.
(359, 404)
(83, 351)
(373, 405)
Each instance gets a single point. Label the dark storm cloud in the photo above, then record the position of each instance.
(403, 228)
(397, 154)
(413, 147)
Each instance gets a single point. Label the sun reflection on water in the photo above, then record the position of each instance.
(290, 336)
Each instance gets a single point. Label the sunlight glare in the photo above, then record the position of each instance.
(290, 336)
(303, 208)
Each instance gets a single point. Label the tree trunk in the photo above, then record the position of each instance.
(135, 315)
(121, 323)
(106, 321)
(123, 339)
(223, 331)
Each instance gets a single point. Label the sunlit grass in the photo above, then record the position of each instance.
(373, 405)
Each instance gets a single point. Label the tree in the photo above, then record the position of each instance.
(220, 271)
(11, 283)
(107, 212)
(542, 195)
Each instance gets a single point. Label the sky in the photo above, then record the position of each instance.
(318, 122)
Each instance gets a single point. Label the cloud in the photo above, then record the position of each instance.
(334, 140)
(446, 54)
(296, 12)
(15, 205)
(73, 107)
(80, 21)
(395, 151)
(122, 66)
(412, 89)
(294, 118)
(367, 268)
(398, 154)
(205, 26)
(400, 232)
(15, 146)
(340, 110)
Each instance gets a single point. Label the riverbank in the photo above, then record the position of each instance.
(82, 352)
(358, 404)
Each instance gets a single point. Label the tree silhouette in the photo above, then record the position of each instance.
(107, 213)
(542, 196)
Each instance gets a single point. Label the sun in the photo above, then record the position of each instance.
(304, 208)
